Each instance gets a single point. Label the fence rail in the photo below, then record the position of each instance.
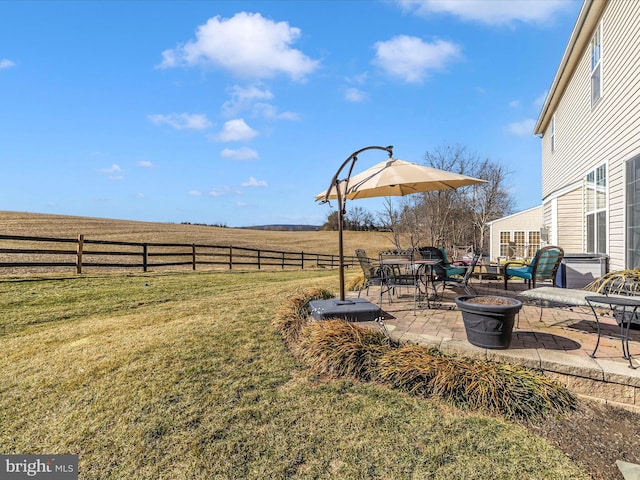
(20, 253)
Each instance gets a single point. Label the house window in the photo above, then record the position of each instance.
(519, 243)
(596, 65)
(505, 245)
(633, 213)
(534, 243)
(596, 210)
(553, 133)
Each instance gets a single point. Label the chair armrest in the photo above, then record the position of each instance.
(520, 263)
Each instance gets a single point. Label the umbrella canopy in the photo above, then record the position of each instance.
(397, 178)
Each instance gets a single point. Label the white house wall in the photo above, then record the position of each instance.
(527, 220)
(569, 209)
(587, 137)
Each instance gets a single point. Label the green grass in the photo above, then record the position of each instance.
(183, 376)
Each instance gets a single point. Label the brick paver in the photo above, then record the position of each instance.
(570, 332)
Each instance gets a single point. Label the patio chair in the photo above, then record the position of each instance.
(398, 271)
(371, 271)
(458, 281)
(543, 266)
(451, 269)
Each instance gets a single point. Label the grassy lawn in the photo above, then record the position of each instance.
(183, 376)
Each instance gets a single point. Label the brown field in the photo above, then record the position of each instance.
(62, 226)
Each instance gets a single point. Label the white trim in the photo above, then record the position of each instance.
(599, 64)
(553, 133)
(579, 40)
(553, 234)
(564, 190)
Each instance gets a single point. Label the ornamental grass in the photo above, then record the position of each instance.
(344, 349)
(492, 387)
(341, 349)
(294, 313)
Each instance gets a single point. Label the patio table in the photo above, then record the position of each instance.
(421, 268)
(625, 312)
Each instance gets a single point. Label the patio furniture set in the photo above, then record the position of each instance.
(421, 271)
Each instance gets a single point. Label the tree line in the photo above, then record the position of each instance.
(445, 218)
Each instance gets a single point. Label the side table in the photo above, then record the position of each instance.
(624, 310)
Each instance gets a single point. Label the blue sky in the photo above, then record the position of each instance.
(239, 113)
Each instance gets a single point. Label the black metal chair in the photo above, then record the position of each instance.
(371, 271)
(399, 271)
(463, 282)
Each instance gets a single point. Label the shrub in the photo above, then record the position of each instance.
(626, 282)
(340, 348)
(356, 283)
(410, 368)
(493, 387)
(345, 349)
(295, 312)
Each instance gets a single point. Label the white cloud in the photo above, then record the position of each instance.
(411, 59)
(514, 104)
(195, 193)
(243, 98)
(490, 12)
(114, 168)
(358, 79)
(239, 154)
(145, 164)
(523, 128)
(355, 95)
(235, 131)
(182, 121)
(252, 182)
(268, 111)
(216, 192)
(4, 63)
(247, 45)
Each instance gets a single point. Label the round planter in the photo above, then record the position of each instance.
(488, 319)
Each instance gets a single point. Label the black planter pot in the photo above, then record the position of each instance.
(489, 325)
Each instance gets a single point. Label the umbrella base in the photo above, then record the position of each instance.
(353, 310)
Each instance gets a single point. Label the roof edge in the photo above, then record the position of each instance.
(515, 214)
(589, 15)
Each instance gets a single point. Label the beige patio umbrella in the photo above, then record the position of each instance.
(392, 177)
(395, 177)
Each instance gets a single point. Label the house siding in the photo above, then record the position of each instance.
(608, 132)
(527, 220)
(570, 222)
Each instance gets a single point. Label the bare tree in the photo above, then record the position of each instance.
(489, 201)
(451, 218)
(389, 219)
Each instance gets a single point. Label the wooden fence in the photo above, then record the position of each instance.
(27, 254)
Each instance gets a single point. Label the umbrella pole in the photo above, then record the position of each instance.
(335, 182)
(341, 246)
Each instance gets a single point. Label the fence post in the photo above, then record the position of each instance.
(145, 257)
(79, 254)
(193, 255)
(230, 257)
(259, 258)
(302, 260)
(282, 260)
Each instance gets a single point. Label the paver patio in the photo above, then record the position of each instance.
(560, 343)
